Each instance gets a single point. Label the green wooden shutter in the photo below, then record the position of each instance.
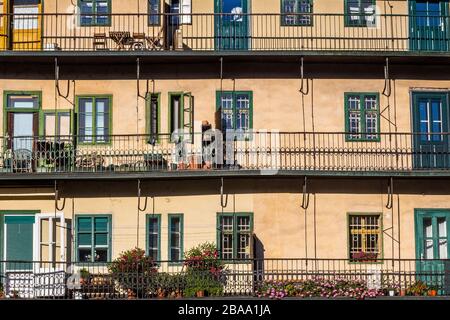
(19, 241)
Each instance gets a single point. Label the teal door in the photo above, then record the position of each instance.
(430, 125)
(432, 239)
(429, 25)
(19, 242)
(231, 25)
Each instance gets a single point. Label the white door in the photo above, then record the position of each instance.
(50, 252)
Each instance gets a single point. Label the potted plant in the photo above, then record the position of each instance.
(365, 256)
(432, 291)
(419, 288)
(84, 276)
(2, 293)
(133, 271)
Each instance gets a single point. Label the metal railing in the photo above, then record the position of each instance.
(263, 150)
(245, 277)
(224, 32)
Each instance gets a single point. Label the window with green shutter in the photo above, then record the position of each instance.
(360, 13)
(175, 237)
(94, 119)
(235, 231)
(296, 12)
(362, 116)
(154, 236)
(95, 12)
(93, 238)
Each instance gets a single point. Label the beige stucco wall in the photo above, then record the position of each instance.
(276, 102)
(279, 222)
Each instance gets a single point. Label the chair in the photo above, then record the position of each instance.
(100, 41)
(155, 42)
(22, 160)
(139, 41)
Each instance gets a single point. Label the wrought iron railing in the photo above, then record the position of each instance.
(270, 151)
(224, 32)
(247, 277)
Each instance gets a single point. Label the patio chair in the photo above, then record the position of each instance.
(155, 42)
(90, 161)
(100, 41)
(22, 160)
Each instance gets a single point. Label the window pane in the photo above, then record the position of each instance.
(101, 239)
(101, 224)
(84, 255)
(153, 10)
(49, 124)
(84, 239)
(64, 124)
(442, 227)
(365, 235)
(85, 224)
(427, 227)
(101, 255)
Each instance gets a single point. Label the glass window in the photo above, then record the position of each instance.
(359, 13)
(365, 237)
(58, 125)
(94, 117)
(153, 117)
(95, 12)
(362, 116)
(154, 237)
(175, 237)
(236, 110)
(93, 238)
(235, 235)
(293, 12)
(23, 101)
(154, 18)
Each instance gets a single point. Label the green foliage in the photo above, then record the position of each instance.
(204, 281)
(419, 288)
(134, 271)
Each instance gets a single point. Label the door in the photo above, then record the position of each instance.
(3, 24)
(50, 251)
(232, 25)
(25, 25)
(429, 25)
(432, 238)
(431, 145)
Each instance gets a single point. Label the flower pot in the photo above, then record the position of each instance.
(200, 293)
(432, 293)
(402, 292)
(391, 293)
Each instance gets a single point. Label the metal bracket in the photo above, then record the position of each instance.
(390, 199)
(139, 198)
(304, 91)
(57, 198)
(387, 81)
(305, 198)
(223, 198)
(58, 88)
(138, 78)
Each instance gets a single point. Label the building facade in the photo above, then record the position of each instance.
(281, 130)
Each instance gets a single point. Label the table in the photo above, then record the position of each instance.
(121, 38)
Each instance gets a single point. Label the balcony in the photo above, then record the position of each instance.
(241, 153)
(308, 278)
(125, 33)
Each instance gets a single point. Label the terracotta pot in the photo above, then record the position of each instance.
(402, 292)
(200, 294)
(432, 293)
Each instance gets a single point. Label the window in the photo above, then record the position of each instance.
(23, 101)
(365, 236)
(186, 10)
(292, 12)
(154, 11)
(93, 238)
(359, 13)
(94, 119)
(154, 236)
(181, 113)
(27, 14)
(175, 237)
(235, 235)
(153, 117)
(95, 12)
(362, 116)
(58, 124)
(236, 110)
(428, 13)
